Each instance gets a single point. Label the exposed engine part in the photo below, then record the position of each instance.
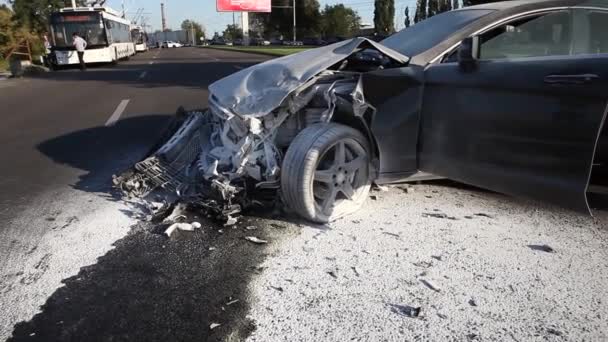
(219, 161)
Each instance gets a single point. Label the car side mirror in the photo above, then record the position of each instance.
(468, 52)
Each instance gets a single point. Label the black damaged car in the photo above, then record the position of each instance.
(508, 96)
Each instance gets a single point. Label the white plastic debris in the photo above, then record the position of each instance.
(181, 226)
(178, 212)
(251, 227)
(230, 222)
(214, 325)
(196, 225)
(255, 240)
(232, 302)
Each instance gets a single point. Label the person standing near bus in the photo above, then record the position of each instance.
(80, 45)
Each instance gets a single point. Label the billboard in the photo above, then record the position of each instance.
(243, 5)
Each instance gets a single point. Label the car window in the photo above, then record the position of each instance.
(542, 35)
(432, 31)
(591, 31)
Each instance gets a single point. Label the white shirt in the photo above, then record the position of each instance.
(80, 44)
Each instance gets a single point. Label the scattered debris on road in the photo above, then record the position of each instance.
(255, 240)
(406, 310)
(187, 227)
(439, 215)
(542, 248)
(429, 285)
(214, 325)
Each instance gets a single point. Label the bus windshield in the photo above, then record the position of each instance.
(87, 24)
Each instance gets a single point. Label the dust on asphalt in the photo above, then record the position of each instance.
(154, 288)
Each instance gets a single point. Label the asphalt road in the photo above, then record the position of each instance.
(63, 135)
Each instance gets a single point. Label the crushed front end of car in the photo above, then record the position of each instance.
(230, 156)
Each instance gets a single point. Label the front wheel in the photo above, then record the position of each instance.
(326, 172)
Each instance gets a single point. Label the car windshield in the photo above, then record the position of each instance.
(430, 32)
(87, 25)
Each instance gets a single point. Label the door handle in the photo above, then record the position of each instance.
(571, 79)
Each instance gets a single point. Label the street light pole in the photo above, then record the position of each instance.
(73, 3)
(192, 31)
(294, 20)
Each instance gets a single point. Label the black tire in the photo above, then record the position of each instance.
(306, 154)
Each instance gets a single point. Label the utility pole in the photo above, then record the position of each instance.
(162, 14)
(73, 3)
(124, 14)
(245, 27)
(193, 35)
(294, 20)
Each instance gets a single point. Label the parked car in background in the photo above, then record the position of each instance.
(313, 41)
(170, 44)
(259, 42)
(276, 41)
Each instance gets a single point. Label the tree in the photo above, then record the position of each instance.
(466, 3)
(455, 4)
(433, 8)
(280, 21)
(407, 22)
(421, 11)
(232, 32)
(340, 21)
(199, 29)
(384, 16)
(445, 5)
(34, 14)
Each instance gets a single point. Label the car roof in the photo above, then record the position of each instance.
(503, 5)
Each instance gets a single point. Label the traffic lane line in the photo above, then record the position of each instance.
(118, 112)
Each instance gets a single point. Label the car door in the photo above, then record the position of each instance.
(525, 119)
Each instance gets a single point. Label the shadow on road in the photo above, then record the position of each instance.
(104, 151)
(152, 288)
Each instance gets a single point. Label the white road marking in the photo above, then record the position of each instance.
(117, 113)
(143, 74)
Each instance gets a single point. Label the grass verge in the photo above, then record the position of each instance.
(264, 50)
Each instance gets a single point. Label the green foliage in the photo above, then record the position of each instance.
(199, 29)
(384, 16)
(13, 32)
(34, 14)
(233, 32)
(340, 21)
(280, 21)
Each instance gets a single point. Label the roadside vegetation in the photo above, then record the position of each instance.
(265, 50)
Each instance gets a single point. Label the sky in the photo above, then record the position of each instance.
(204, 11)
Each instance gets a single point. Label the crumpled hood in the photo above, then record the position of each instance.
(256, 91)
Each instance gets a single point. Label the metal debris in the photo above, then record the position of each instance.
(472, 302)
(232, 302)
(214, 325)
(256, 240)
